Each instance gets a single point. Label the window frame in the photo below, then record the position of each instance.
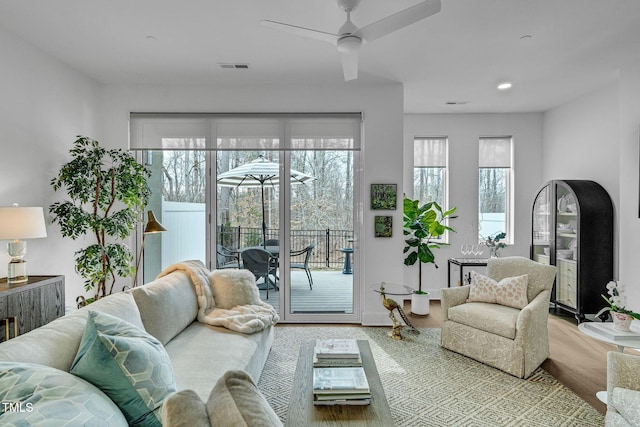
(509, 185)
(443, 164)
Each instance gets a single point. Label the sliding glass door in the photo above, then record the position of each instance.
(273, 194)
(321, 235)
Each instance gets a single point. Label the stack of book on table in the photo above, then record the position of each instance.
(607, 330)
(338, 375)
(336, 352)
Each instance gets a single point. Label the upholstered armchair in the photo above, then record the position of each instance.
(497, 333)
(623, 390)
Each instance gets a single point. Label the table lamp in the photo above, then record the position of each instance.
(153, 226)
(20, 223)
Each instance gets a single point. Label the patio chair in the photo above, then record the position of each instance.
(304, 265)
(226, 258)
(260, 263)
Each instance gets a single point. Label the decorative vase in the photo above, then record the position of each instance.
(493, 250)
(420, 304)
(621, 321)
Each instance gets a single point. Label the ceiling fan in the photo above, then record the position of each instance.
(350, 38)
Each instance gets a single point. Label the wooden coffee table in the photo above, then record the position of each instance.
(302, 412)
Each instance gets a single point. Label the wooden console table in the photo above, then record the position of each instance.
(29, 305)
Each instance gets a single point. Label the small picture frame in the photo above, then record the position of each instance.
(384, 196)
(383, 226)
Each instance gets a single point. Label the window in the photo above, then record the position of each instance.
(495, 185)
(430, 170)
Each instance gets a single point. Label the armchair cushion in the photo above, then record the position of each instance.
(510, 291)
(627, 402)
(540, 277)
(493, 318)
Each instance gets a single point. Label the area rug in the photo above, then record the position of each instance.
(426, 385)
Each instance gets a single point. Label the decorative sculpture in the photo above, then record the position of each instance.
(391, 305)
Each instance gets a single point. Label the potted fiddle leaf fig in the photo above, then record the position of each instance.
(107, 191)
(423, 226)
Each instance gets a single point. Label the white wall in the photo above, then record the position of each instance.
(463, 132)
(44, 106)
(581, 141)
(383, 121)
(627, 173)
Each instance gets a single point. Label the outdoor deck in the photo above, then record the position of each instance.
(332, 292)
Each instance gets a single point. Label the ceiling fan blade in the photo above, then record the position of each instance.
(398, 20)
(301, 31)
(349, 65)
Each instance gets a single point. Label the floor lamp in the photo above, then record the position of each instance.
(20, 223)
(153, 226)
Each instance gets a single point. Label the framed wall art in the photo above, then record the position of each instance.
(383, 226)
(384, 196)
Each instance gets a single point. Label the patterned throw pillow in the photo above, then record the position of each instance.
(510, 291)
(37, 395)
(128, 365)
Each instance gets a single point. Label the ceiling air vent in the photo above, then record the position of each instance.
(235, 66)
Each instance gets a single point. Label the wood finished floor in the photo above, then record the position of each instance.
(577, 361)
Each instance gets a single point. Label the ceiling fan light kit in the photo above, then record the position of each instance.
(350, 38)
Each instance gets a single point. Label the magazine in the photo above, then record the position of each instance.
(340, 380)
(336, 362)
(337, 348)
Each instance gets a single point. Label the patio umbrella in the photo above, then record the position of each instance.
(255, 174)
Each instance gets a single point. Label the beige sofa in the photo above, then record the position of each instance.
(511, 339)
(165, 308)
(623, 390)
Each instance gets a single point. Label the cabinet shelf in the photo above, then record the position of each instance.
(565, 234)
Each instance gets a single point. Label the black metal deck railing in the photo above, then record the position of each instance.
(327, 253)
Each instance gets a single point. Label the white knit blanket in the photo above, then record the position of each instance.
(245, 318)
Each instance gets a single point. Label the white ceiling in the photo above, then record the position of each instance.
(459, 54)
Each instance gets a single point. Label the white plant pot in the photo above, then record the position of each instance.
(420, 304)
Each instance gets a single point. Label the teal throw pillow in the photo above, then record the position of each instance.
(128, 365)
(34, 395)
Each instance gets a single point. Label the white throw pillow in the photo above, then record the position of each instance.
(231, 288)
(510, 291)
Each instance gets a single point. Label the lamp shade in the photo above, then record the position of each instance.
(17, 223)
(153, 226)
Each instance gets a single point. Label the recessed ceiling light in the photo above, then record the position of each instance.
(505, 86)
(151, 38)
(525, 37)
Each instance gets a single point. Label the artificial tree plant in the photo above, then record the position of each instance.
(423, 224)
(107, 191)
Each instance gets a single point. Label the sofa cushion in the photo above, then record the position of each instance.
(510, 291)
(235, 401)
(56, 343)
(492, 318)
(35, 395)
(627, 403)
(184, 409)
(128, 364)
(233, 287)
(167, 305)
(218, 350)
